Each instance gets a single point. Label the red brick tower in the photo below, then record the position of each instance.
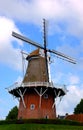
(37, 95)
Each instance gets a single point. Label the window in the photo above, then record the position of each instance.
(32, 106)
(46, 96)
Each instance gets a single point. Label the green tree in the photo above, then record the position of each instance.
(79, 108)
(13, 113)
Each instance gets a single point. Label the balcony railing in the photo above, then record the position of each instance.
(17, 85)
(29, 84)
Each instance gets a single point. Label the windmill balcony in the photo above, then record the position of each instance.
(29, 84)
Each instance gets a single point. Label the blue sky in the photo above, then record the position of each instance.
(65, 34)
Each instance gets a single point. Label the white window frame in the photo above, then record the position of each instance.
(32, 106)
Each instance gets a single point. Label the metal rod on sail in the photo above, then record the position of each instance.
(45, 49)
(27, 40)
(22, 63)
(67, 58)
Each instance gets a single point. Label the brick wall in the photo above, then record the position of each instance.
(75, 117)
(43, 111)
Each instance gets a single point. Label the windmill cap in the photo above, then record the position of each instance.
(33, 54)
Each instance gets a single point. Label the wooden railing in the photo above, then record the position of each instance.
(29, 84)
(36, 84)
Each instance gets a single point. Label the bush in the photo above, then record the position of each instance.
(41, 121)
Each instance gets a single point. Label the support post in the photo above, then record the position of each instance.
(56, 97)
(22, 95)
(40, 95)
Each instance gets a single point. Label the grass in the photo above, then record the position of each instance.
(40, 124)
(39, 127)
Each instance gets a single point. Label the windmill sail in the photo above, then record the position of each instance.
(45, 50)
(27, 40)
(61, 55)
(68, 58)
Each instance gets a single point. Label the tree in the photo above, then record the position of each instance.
(13, 113)
(79, 108)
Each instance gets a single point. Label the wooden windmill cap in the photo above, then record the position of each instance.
(32, 54)
(36, 52)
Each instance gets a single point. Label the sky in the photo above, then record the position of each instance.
(64, 20)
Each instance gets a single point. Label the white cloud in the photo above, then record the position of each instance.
(70, 100)
(74, 87)
(74, 79)
(8, 53)
(69, 12)
(31, 10)
(19, 79)
(74, 94)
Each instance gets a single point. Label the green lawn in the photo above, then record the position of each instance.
(39, 127)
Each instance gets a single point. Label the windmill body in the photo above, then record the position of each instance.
(39, 96)
(37, 93)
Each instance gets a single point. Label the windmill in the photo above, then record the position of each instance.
(36, 93)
